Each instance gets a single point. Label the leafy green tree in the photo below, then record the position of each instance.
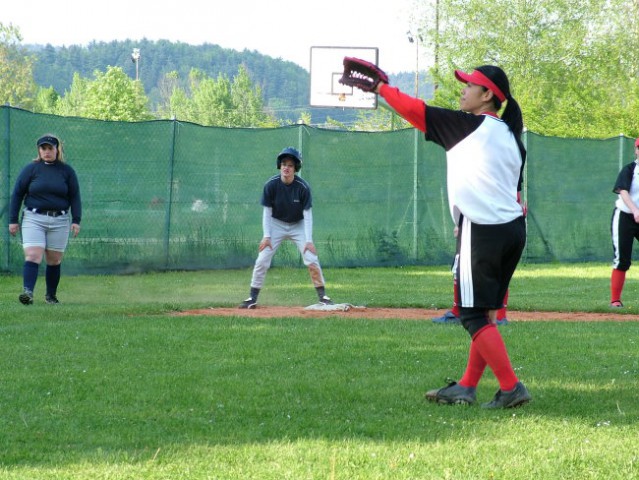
(305, 118)
(16, 69)
(216, 102)
(211, 99)
(72, 102)
(167, 86)
(113, 95)
(572, 63)
(247, 103)
(283, 85)
(180, 106)
(46, 100)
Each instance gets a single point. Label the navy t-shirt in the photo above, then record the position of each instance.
(46, 186)
(287, 201)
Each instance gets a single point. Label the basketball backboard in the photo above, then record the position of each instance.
(326, 69)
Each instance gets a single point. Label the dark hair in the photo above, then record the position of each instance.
(512, 113)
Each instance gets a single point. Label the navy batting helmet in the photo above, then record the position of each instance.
(290, 152)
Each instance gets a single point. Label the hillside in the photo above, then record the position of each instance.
(284, 85)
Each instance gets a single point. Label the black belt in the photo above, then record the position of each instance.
(49, 213)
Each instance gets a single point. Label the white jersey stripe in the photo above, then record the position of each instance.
(615, 237)
(465, 266)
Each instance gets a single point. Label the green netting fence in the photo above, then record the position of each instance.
(168, 195)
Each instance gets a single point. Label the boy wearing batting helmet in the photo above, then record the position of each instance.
(286, 215)
(485, 159)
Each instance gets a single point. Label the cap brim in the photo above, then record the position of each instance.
(462, 76)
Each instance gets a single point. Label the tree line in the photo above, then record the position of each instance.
(573, 67)
(203, 84)
(162, 63)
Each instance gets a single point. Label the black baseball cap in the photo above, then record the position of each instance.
(48, 140)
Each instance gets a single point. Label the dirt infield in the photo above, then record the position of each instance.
(403, 313)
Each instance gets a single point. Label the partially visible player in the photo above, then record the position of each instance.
(286, 215)
(485, 159)
(624, 226)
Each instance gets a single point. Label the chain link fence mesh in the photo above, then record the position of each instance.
(168, 195)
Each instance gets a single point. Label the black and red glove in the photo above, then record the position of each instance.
(362, 74)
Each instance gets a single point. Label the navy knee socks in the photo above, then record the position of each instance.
(52, 276)
(29, 275)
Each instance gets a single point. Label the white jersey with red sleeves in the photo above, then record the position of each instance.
(485, 165)
(483, 173)
(485, 159)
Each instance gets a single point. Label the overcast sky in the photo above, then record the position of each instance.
(284, 29)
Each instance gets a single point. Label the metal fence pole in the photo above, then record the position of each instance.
(415, 183)
(6, 195)
(167, 229)
(524, 187)
(621, 152)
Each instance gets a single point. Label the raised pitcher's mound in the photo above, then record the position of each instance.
(265, 311)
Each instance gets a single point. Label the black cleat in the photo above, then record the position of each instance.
(452, 394)
(516, 397)
(249, 303)
(51, 299)
(26, 297)
(324, 300)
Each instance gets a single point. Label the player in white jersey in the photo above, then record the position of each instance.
(485, 160)
(624, 226)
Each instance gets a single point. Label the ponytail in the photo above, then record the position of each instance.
(513, 117)
(512, 113)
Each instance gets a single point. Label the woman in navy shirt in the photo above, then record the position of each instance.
(50, 192)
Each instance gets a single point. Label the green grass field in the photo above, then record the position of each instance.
(112, 385)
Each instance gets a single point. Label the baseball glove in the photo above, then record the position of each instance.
(362, 74)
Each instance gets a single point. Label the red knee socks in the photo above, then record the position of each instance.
(617, 280)
(488, 348)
